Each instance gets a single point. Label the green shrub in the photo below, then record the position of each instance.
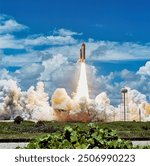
(78, 138)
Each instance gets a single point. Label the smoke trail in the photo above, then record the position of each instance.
(82, 88)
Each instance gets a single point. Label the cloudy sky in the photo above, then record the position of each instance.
(40, 41)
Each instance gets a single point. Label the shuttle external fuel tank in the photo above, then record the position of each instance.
(82, 53)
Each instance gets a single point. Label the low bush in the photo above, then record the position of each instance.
(77, 138)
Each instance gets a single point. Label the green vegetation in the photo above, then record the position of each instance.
(77, 138)
(31, 130)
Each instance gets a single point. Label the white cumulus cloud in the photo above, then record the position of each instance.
(65, 32)
(145, 70)
(9, 25)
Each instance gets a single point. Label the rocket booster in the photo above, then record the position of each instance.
(82, 53)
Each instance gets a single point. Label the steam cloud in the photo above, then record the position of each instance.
(35, 104)
(138, 107)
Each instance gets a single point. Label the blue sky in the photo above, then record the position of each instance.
(40, 41)
(100, 19)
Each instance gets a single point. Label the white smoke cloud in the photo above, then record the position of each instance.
(67, 109)
(38, 103)
(137, 107)
(33, 104)
(105, 109)
(9, 99)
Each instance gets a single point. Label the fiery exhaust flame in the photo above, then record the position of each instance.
(82, 88)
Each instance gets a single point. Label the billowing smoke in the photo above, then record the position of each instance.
(137, 106)
(9, 99)
(67, 109)
(100, 108)
(35, 104)
(105, 110)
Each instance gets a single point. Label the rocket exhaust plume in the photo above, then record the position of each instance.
(82, 88)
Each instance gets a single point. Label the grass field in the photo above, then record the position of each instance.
(30, 130)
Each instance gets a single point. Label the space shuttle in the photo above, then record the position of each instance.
(82, 53)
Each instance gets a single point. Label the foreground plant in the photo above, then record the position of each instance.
(78, 138)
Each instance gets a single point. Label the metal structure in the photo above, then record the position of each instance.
(139, 114)
(124, 91)
(82, 53)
